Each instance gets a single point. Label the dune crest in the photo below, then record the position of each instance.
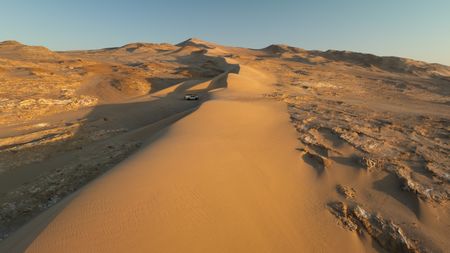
(244, 195)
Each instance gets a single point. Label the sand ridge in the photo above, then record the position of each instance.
(247, 194)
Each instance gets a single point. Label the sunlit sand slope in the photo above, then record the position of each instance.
(227, 178)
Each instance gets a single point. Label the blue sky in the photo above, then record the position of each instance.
(416, 29)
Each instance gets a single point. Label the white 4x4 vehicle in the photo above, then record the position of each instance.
(190, 97)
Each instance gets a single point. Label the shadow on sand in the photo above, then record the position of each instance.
(139, 122)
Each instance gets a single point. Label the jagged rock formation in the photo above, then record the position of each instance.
(385, 232)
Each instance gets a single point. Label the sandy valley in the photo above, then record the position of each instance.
(287, 150)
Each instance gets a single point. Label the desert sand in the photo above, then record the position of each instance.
(225, 179)
(287, 150)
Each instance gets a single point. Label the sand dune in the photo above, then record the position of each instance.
(287, 150)
(234, 185)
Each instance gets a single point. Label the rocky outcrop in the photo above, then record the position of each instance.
(388, 234)
(424, 191)
(370, 163)
(346, 191)
(395, 144)
(30, 108)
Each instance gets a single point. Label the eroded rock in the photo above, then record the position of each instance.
(370, 163)
(346, 191)
(424, 191)
(388, 234)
